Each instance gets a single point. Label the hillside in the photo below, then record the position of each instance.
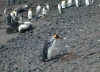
(79, 51)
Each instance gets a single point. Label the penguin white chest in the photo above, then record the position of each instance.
(29, 14)
(59, 8)
(69, 3)
(47, 6)
(63, 4)
(51, 48)
(87, 2)
(38, 9)
(13, 14)
(26, 25)
(91, 1)
(77, 3)
(44, 11)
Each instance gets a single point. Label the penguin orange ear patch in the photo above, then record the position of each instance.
(55, 35)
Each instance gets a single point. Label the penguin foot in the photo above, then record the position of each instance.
(45, 60)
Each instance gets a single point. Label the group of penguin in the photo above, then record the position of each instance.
(69, 3)
(15, 22)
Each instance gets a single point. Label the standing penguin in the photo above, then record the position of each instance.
(30, 14)
(69, 3)
(8, 19)
(59, 8)
(49, 47)
(14, 14)
(91, 1)
(47, 6)
(5, 11)
(87, 2)
(38, 9)
(77, 3)
(63, 4)
(8, 2)
(44, 11)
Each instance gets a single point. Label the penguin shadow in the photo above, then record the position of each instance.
(64, 57)
(35, 18)
(57, 57)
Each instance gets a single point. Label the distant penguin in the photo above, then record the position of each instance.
(14, 14)
(12, 1)
(22, 8)
(30, 14)
(69, 3)
(47, 6)
(20, 19)
(8, 2)
(5, 12)
(87, 3)
(77, 3)
(59, 8)
(44, 11)
(12, 27)
(25, 26)
(49, 46)
(63, 4)
(8, 19)
(38, 9)
(91, 1)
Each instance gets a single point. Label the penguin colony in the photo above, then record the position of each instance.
(15, 21)
(41, 12)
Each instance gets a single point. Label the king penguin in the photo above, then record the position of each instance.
(38, 9)
(5, 11)
(77, 3)
(59, 8)
(91, 1)
(63, 4)
(44, 11)
(30, 14)
(87, 3)
(69, 3)
(49, 47)
(47, 6)
(14, 14)
(25, 26)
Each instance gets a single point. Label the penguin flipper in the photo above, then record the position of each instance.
(45, 50)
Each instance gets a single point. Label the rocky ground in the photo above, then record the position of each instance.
(79, 51)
